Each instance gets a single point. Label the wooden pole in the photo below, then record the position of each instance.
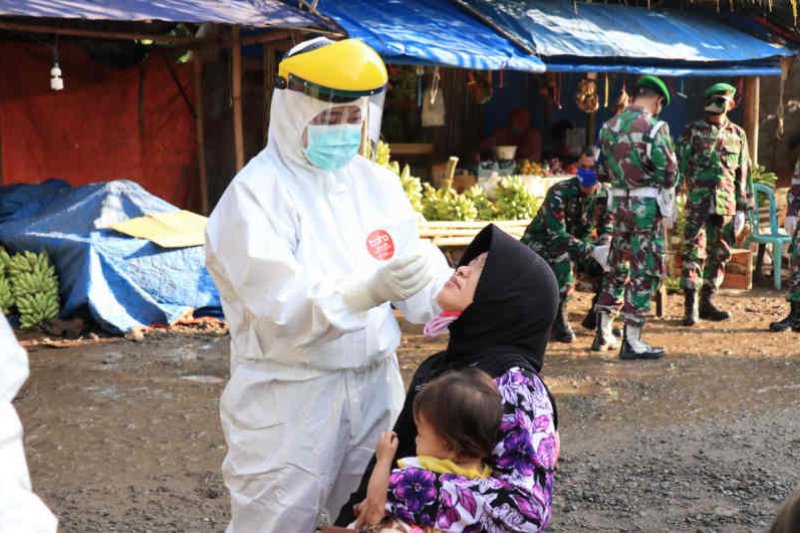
(236, 93)
(591, 122)
(752, 96)
(200, 127)
(450, 171)
(549, 80)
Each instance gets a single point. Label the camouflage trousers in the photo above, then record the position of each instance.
(794, 279)
(707, 249)
(637, 260)
(564, 266)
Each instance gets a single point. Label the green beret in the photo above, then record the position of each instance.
(721, 88)
(655, 83)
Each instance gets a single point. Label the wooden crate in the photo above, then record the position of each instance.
(739, 272)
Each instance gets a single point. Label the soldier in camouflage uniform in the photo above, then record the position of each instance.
(714, 163)
(790, 224)
(563, 231)
(637, 154)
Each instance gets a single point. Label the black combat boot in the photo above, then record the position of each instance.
(604, 338)
(709, 311)
(562, 332)
(690, 310)
(590, 320)
(792, 320)
(633, 347)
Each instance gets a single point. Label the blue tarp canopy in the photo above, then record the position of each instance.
(254, 13)
(428, 32)
(124, 282)
(615, 38)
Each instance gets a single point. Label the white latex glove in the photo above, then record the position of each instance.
(738, 222)
(600, 254)
(396, 281)
(790, 224)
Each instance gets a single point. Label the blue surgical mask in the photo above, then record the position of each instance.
(587, 177)
(331, 147)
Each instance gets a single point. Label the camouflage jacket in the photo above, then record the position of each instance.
(637, 151)
(793, 197)
(602, 218)
(715, 165)
(567, 220)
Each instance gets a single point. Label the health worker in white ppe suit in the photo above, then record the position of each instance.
(309, 247)
(20, 509)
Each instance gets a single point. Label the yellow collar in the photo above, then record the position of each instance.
(444, 466)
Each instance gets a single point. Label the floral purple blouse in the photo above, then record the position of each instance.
(518, 495)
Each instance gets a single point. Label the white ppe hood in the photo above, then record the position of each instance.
(287, 237)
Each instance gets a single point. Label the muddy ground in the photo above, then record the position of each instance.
(123, 435)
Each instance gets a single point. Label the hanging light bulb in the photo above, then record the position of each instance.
(56, 81)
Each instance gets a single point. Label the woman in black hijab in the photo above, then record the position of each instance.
(507, 297)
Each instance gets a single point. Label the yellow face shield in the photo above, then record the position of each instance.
(342, 71)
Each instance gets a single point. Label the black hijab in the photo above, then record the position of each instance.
(508, 323)
(506, 326)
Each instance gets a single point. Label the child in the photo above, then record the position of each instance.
(458, 417)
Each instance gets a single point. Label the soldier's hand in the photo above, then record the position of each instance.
(790, 224)
(738, 223)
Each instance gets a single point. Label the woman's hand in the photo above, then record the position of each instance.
(387, 447)
(370, 513)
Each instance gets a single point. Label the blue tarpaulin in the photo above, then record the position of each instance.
(613, 38)
(253, 13)
(125, 282)
(428, 32)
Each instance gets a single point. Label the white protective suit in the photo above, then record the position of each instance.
(21, 511)
(312, 383)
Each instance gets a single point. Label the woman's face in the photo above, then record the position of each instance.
(459, 291)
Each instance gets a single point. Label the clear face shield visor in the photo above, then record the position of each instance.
(336, 133)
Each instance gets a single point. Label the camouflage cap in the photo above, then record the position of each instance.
(721, 88)
(655, 83)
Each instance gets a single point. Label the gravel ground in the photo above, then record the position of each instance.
(123, 435)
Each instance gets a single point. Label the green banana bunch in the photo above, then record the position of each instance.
(21, 263)
(5, 259)
(446, 204)
(413, 188)
(36, 308)
(515, 201)
(6, 296)
(32, 284)
(382, 154)
(486, 209)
